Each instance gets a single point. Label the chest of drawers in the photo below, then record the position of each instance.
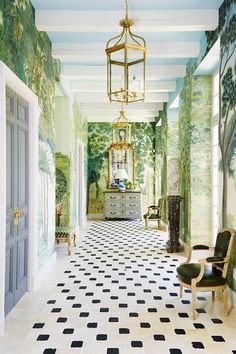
(122, 205)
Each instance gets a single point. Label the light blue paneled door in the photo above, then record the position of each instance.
(16, 200)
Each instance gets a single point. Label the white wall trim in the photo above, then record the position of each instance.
(43, 271)
(8, 78)
(232, 297)
(95, 216)
(81, 184)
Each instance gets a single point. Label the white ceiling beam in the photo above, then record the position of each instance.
(144, 21)
(117, 106)
(96, 51)
(109, 118)
(101, 97)
(154, 72)
(160, 86)
(115, 114)
(101, 86)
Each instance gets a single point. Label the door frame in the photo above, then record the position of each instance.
(81, 184)
(8, 78)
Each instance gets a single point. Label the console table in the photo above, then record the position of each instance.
(122, 205)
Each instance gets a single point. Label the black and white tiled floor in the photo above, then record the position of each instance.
(118, 294)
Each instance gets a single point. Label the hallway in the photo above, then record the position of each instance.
(117, 294)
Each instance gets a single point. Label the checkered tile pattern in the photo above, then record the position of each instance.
(119, 295)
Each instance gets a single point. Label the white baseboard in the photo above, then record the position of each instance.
(95, 217)
(43, 271)
(232, 297)
(2, 327)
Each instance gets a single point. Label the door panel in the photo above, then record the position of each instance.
(21, 166)
(9, 165)
(17, 197)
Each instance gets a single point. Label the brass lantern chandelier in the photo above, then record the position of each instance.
(121, 130)
(126, 59)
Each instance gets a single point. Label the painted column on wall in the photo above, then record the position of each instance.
(226, 31)
(143, 139)
(99, 139)
(185, 132)
(161, 160)
(200, 176)
(79, 134)
(173, 166)
(227, 118)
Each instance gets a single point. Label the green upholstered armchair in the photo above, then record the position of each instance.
(210, 273)
(153, 213)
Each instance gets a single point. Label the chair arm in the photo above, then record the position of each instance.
(153, 207)
(215, 259)
(200, 247)
(197, 248)
(194, 281)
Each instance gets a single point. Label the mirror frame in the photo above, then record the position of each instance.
(117, 147)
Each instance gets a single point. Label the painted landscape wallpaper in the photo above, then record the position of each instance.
(99, 140)
(27, 53)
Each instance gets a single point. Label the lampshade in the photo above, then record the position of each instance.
(121, 174)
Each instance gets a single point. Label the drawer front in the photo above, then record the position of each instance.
(109, 213)
(133, 197)
(112, 197)
(112, 204)
(132, 205)
(133, 213)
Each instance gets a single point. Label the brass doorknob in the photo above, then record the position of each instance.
(17, 214)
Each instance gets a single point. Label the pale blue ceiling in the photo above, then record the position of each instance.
(101, 62)
(120, 4)
(72, 37)
(68, 39)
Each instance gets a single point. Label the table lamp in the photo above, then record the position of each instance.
(121, 175)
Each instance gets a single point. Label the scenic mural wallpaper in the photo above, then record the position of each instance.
(99, 140)
(27, 52)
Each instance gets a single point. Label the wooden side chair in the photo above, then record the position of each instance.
(153, 213)
(208, 274)
(64, 233)
(67, 234)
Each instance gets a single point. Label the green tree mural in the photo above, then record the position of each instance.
(27, 52)
(61, 186)
(185, 136)
(227, 109)
(143, 139)
(99, 139)
(161, 159)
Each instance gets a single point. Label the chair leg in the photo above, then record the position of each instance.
(74, 238)
(193, 288)
(145, 223)
(225, 301)
(213, 296)
(158, 224)
(181, 290)
(69, 246)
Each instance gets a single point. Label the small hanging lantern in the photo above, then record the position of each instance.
(126, 59)
(121, 128)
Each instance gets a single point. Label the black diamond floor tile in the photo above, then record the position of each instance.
(124, 297)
